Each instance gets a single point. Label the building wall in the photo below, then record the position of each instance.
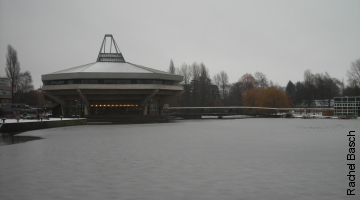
(106, 99)
(5, 94)
(347, 106)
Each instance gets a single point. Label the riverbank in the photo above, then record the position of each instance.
(13, 126)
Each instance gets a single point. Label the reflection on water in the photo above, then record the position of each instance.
(6, 140)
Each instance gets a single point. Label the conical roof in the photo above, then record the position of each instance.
(111, 64)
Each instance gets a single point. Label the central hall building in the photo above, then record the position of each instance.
(110, 86)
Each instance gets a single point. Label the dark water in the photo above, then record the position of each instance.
(195, 159)
(7, 140)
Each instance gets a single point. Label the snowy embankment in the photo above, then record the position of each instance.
(14, 126)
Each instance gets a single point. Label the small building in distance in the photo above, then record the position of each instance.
(5, 94)
(347, 106)
(110, 86)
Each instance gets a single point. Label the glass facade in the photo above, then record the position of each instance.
(114, 108)
(347, 106)
(109, 81)
(75, 107)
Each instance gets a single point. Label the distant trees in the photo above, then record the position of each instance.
(247, 82)
(256, 90)
(199, 90)
(24, 87)
(253, 97)
(235, 94)
(222, 81)
(299, 95)
(261, 80)
(25, 82)
(326, 87)
(271, 97)
(185, 72)
(354, 73)
(21, 82)
(309, 86)
(12, 68)
(314, 87)
(353, 88)
(291, 91)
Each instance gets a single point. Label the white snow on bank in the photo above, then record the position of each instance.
(34, 120)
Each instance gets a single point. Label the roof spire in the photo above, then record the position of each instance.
(105, 55)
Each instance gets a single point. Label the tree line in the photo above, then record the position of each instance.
(21, 82)
(200, 90)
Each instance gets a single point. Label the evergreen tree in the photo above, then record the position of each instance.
(171, 67)
(291, 91)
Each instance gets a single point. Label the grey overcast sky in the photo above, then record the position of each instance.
(279, 38)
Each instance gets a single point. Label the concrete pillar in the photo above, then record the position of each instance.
(148, 98)
(145, 109)
(63, 110)
(161, 109)
(85, 101)
(86, 112)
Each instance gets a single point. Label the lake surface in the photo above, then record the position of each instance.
(194, 159)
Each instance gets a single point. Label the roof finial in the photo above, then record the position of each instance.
(109, 56)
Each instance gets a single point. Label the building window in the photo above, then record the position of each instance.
(89, 81)
(4, 82)
(5, 92)
(109, 81)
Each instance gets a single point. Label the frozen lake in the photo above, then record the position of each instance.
(195, 159)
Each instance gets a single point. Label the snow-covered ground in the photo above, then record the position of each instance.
(34, 120)
(227, 117)
(188, 159)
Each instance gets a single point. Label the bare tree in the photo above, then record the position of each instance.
(261, 79)
(247, 81)
(12, 68)
(185, 72)
(171, 67)
(195, 71)
(24, 87)
(310, 88)
(354, 73)
(25, 82)
(222, 81)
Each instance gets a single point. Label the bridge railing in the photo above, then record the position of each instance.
(241, 110)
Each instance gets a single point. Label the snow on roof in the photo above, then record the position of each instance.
(110, 67)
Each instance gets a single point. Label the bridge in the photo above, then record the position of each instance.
(198, 112)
